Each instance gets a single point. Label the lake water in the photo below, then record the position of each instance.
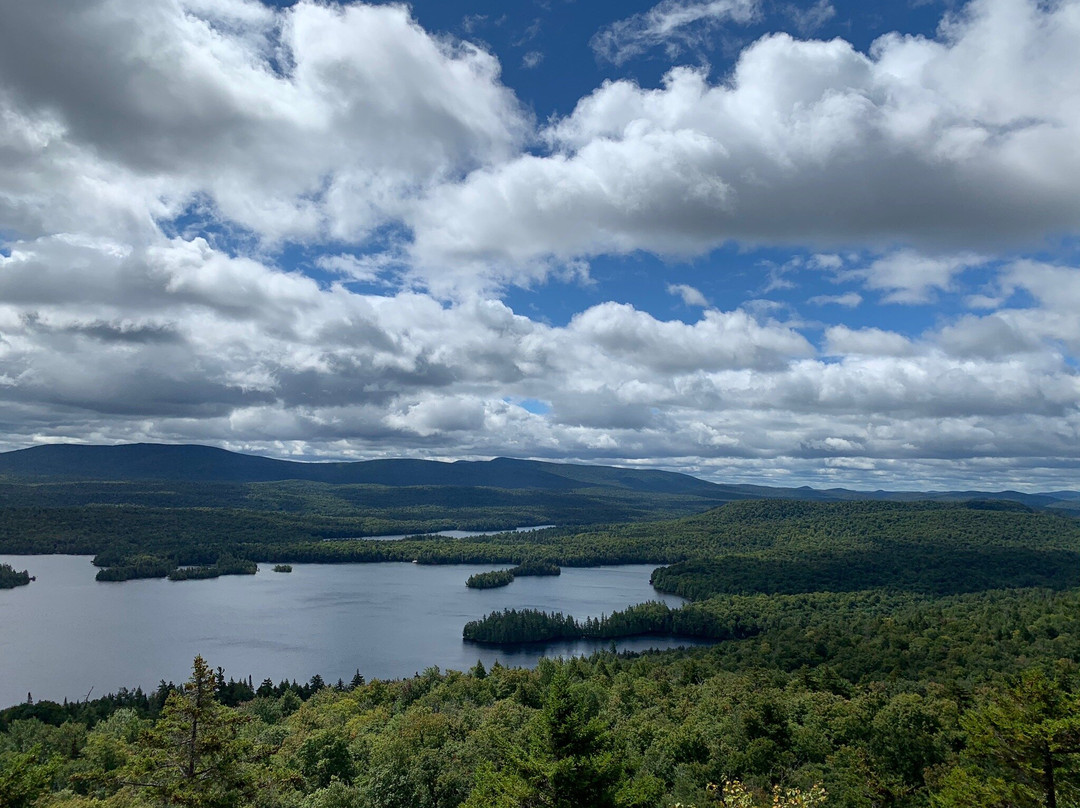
(66, 633)
(449, 534)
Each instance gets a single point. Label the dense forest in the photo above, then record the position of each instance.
(863, 654)
(489, 580)
(186, 523)
(764, 545)
(512, 626)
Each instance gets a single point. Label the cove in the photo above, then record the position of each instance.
(66, 633)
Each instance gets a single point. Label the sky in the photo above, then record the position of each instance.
(818, 243)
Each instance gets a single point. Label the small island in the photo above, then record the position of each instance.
(9, 578)
(496, 578)
(226, 565)
(283, 568)
(517, 626)
(489, 580)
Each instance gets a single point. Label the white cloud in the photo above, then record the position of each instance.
(690, 296)
(309, 122)
(910, 277)
(849, 300)
(952, 145)
(843, 341)
(997, 335)
(810, 19)
(105, 341)
(672, 24)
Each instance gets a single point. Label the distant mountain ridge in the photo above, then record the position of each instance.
(208, 464)
(194, 463)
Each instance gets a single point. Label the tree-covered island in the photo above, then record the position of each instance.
(10, 578)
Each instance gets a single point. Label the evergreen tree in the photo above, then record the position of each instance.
(192, 755)
(573, 766)
(1023, 748)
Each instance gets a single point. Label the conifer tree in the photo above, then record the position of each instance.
(192, 756)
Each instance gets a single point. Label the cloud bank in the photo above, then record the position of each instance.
(156, 157)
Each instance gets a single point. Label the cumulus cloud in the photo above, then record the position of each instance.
(312, 121)
(674, 25)
(843, 341)
(233, 351)
(907, 276)
(690, 296)
(955, 144)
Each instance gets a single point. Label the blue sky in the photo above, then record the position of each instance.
(824, 243)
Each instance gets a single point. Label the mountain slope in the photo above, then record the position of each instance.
(143, 461)
(207, 464)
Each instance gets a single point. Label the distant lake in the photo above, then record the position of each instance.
(449, 534)
(66, 633)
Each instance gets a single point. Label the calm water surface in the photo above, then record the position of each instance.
(66, 633)
(449, 534)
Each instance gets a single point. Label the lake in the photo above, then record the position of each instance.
(448, 534)
(66, 634)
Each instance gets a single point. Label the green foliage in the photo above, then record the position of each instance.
(536, 568)
(138, 566)
(609, 730)
(892, 654)
(512, 626)
(571, 764)
(195, 522)
(756, 546)
(9, 578)
(226, 565)
(526, 625)
(324, 757)
(282, 568)
(24, 776)
(1023, 746)
(193, 755)
(489, 580)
